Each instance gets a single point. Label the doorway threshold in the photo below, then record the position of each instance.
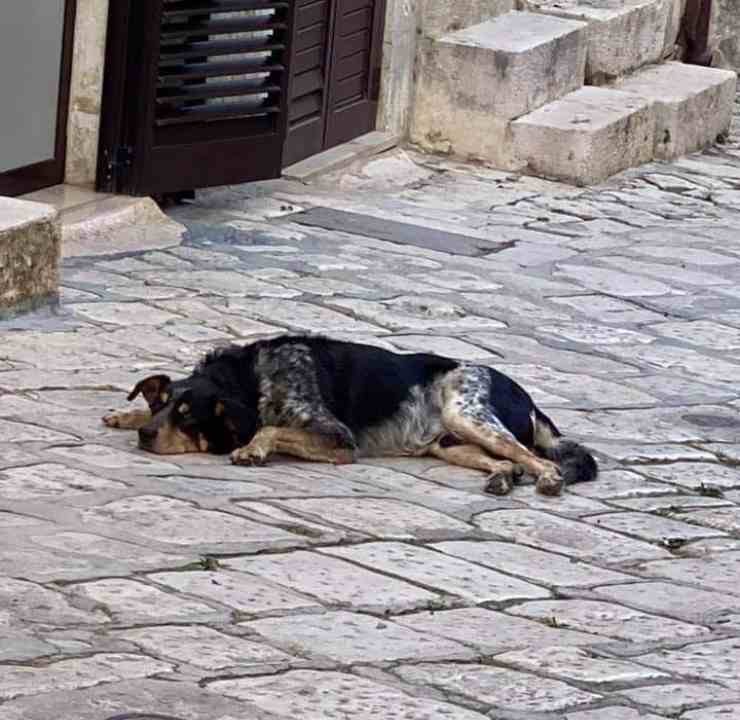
(96, 223)
(335, 158)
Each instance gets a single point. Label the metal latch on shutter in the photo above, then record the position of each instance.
(117, 162)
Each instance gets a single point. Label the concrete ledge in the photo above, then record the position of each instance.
(693, 105)
(29, 255)
(335, 158)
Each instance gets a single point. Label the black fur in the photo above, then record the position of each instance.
(361, 398)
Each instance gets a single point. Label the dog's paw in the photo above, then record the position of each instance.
(113, 420)
(503, 481)
(550, 482)
(249, 456)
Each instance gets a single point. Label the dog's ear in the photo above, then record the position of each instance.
(239, 419)
(154, 389)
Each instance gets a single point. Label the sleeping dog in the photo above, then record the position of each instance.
(331, 401)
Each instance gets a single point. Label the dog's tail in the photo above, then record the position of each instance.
(576, 463)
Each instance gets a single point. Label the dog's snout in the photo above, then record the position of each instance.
(147, 436)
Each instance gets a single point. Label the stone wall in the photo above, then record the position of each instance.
(725, 33)
(29, 255)
(399, 57)
(86, 91)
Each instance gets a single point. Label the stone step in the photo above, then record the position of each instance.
(440, 17)
(29, 255)
(586, 136)
(623, 35)
(101, 224)
(693, 105)
(472, 83)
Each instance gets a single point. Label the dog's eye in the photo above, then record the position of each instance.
(164, 397)
(184, 409)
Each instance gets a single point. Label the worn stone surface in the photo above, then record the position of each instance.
(615, 307)
(330, 694)
(492, 632)
(677, 698)
(29, 255)
(504, 689)
(541, 567)
(203, 647)
(512, 64)
(448, 574)
(621, 36)
(335, 582)
(716, 660)
(350, 638)
(586, 136)
(693, 104)
(576, 664)
(577, 539)
(131, 601)
(17, 680)
(666, 598)
(610, 620)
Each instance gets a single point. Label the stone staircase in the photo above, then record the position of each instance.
(574, 90)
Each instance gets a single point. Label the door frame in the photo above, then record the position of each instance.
(49, 172)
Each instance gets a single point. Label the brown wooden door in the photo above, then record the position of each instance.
(35, 92)
(195, 94)
(308, 80)
(355, 70)
(335, 74)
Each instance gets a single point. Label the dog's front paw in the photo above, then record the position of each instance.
(113, 420)
(550, 482)
(249, 456)
(503, 481)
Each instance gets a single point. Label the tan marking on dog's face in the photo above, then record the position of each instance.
(170, 440)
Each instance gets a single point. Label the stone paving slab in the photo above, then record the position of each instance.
(352, 638)
(613, 621)
(577, 539)
(443, 572)
(335, 582)
(305, 693)
(187, 586)
(473, 627)
(506, 690)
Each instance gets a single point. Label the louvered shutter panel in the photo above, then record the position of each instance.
(208, 80)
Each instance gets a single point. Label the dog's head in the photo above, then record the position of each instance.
(192, 415)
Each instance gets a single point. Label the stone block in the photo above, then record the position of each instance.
(586, 136)
(29, 255)
(473, 82)
(439, 17)
(693, 105)
(622, 35)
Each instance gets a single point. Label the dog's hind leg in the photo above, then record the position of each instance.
(467, 414)
(128, 419)
(503, 474)
(291, 441)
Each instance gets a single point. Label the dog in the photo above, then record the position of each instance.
(325, 400)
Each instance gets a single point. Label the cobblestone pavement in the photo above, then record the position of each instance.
(395, 588)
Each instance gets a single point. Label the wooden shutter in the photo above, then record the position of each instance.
(308, 83)
(355, 69)
(196, 93)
